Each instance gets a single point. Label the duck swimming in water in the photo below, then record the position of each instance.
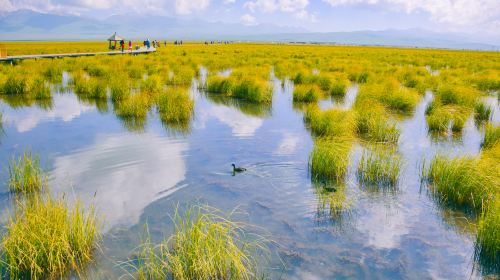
(238, 169)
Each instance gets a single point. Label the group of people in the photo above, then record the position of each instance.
(122, 45)
(155, 44)
(216, 42)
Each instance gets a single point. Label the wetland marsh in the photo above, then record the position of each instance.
(362, 162)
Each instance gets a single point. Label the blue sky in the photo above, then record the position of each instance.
(469, 16)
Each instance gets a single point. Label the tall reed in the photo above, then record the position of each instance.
(45, 239)
(205, 245)
(463, 181)
(491, 136)
(379, 166)
(329, 159)
(26, 175)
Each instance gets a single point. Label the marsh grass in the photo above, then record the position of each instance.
(487, 247)
(491, 136)
(339, 86)
(90, 88)
(330, 123)
(463, 181)
(458, 95)
(26, 88)
(374, 124)
(205, 245)
(26, 175)
(46, 239)
(152, 85)
(250, 89)
(441, 118)
(482, 112)
(223, 85)
(175, 107)
(329, 160)
(307, 93)
(253, 90)
(15, 85)
(379, 166)
(53, 73)
(183, 76)
(120, 90)
(137, 105)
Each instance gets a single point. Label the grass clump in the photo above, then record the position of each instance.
(205, 245)
(25, 174)
(329, 160)
(15, 85)
(152, 85)
(339, 86)
(46, 239)
(120, 90)
(482, 112)
(250, 89)
(458, 95)
(488, 234)
(441, 118)
(390, 94)
(379, 166)
(222, 85)
(463, 181)
(175, 107)
(89, 88)
(374, 125)
(253, 90)
(491, 136)
(138, 105)
(53, 73)
(331, 123)
(306, 93)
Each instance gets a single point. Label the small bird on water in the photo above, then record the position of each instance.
(238, 169)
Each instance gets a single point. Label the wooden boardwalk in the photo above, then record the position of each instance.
(57, 55)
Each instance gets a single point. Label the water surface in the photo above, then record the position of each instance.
(139, 177)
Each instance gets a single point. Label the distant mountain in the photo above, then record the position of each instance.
(30, 25)
(399, 38)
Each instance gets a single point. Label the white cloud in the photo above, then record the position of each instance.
(229, 1)
(305, 15)
(295, 7)
(267, 6)
(127, 172)
(241, 125)
(65, 107)
(181, 7)
(289, 144)
(248, 20)
(458, 12)
(184, 7)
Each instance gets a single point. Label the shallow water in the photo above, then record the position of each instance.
(136, 178)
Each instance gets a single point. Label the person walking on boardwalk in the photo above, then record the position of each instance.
(122, 44)
(130, 45)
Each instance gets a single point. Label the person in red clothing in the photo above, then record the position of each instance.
(130, 45)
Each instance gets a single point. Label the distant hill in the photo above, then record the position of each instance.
(30, 25)
(400, 38)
